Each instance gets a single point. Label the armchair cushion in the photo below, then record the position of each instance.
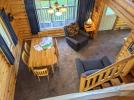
(87, 73)
(92, 64)
(72, 40)
(83, 33)
(80, 38)
(88, 67)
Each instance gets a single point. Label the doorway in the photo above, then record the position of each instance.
(108, 19)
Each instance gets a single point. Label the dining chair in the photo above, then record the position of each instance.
(25, 58)
(27, 48)
(56, 53)
(41, 72)
(56, 49)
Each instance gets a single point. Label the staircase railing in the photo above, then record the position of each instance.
(103, 75)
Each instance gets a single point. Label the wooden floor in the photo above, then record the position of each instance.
(65, 80)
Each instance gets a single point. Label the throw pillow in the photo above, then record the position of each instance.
(73, 29)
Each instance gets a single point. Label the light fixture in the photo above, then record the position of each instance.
(89, 21)
(50, 10)
(56, 4)
(59, 9)
(63, 9)
(58, 13)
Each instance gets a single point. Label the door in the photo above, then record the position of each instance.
(108, 19)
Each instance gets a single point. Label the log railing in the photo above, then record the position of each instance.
(104, 75)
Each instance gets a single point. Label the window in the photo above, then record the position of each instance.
(47, 20)
(5, 34)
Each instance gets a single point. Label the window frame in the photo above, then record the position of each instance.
(12, 46)
(53, 18)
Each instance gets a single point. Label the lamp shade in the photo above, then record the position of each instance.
(50, 10)
(89, 21)
(63, 9)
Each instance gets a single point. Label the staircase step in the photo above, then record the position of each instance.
(116, 81)
(106, 85)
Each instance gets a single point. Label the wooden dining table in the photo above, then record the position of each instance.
(43, 58)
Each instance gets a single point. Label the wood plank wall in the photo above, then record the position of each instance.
(20, 22)
(8, 75)
(8, 72)
(120, 24)
(97, 14)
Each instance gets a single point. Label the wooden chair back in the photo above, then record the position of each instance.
(27, 48)
(25, 57)
(41, 72)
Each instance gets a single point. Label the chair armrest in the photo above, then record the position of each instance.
(72, 40)
(80, 68)
(83, 33)
(89, 72)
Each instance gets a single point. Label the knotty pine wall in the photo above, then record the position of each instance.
(97, 14)
(120, 24)
(8, 73)
(20, 22)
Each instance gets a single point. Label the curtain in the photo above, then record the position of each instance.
(85, 7)
(6, 51)
(32, 16)
(8, 26)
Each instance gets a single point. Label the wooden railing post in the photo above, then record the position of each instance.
(82, 84)
(129, 65)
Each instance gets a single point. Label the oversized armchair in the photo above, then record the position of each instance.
(88, 67)
(77, 38)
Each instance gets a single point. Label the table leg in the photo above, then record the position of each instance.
(52, 68)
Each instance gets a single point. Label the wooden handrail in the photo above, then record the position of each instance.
(103, 75)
